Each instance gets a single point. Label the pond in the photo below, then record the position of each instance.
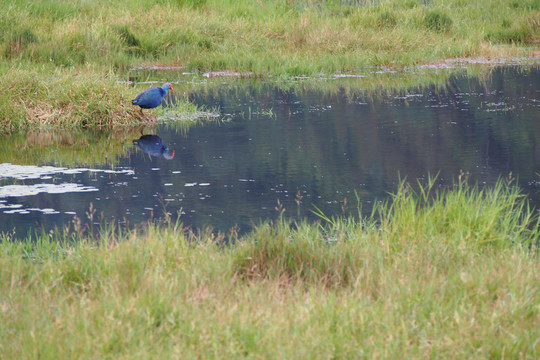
(278, 146)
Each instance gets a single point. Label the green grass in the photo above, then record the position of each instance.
(436, 274)
(34, 98)
(265, 37)
(74, 51)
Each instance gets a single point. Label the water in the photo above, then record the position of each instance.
(305, 146)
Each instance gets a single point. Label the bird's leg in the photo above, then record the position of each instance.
(146, 117)
(152, 114)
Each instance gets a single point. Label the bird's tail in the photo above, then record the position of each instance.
(134, 102)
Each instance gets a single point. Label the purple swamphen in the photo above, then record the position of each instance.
(151, 98)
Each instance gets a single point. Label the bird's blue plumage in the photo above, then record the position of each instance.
(152, 97)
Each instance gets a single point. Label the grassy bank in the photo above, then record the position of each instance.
(61, 59)
(446, 275)
(44, 97)
(33, 98)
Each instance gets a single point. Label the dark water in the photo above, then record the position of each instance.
(274, 144)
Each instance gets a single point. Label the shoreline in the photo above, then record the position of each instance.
(93, 100)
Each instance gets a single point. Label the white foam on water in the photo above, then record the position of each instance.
(18, 209)
(25, 172)
(29, 190)
(10, 206)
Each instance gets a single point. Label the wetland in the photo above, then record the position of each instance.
(325, 143)
(362, 183)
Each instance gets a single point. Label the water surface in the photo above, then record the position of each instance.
(304, 146)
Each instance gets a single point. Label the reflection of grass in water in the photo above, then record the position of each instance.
(371, 83)
(88, 147)
(431, 274)
(65, 148)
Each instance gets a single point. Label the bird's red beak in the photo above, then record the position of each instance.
(171, 88)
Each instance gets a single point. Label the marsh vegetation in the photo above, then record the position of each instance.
(445, 274)
(436, 270)
(61, 59)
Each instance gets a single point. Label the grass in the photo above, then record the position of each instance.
(263, 37)
(437, 273)
(33, 98)
(85, 45)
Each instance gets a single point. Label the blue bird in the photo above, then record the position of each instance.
(151, 98)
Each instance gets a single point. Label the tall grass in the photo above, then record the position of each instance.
(417, 283)
(264, 37)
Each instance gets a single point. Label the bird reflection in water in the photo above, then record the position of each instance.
(153, 145)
